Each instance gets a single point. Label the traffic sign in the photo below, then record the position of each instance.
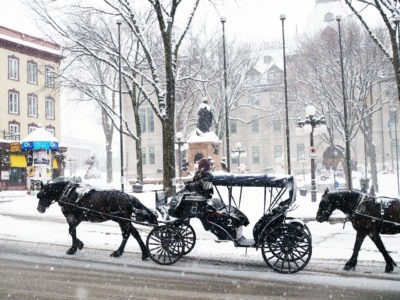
(313, 151)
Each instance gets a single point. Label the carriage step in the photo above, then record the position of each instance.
(243, 242)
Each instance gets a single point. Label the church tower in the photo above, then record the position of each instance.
(324, 14)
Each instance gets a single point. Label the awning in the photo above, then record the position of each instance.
(39, 139)
(55, 164)
(17, 161)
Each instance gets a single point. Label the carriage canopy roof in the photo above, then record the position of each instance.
(256, 180)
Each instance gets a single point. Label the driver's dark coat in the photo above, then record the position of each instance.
(197, 185)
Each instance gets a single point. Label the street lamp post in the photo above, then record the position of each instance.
(238, 150)
(283, 18)
(120, 107)
(309, 125)
(179, 141)
(393, 118)
(346, 129)
(228, 156)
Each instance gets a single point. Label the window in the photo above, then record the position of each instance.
(32, 105)
(13, 129)
(277, 151)
(149, 155)
(146, 118)
(13, 66)
(50, 108)
(32, 127)
(276, 125)
(32, 72)
(13, 102)
(300, 152)
(152, 156)
(254, 100)
(232, 126)
(51, 129)
(254, 125)
(255, 153)
(49, 76)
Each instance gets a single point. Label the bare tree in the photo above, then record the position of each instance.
(94, 79)
(318, 76)
(157, 83)
(389, 11)
(201, 75)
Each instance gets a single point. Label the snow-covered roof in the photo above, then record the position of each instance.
(39, 135)
(205, 137)
(29, 41)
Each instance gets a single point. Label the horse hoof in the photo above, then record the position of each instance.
(145, 256)
(80, 246)
(349, 268)
(115, 254)
(71, 251)
(389, 269)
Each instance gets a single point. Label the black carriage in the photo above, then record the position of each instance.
(285, 242)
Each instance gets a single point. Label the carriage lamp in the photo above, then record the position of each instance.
(312, 124)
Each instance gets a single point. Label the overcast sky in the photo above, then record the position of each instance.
(246, 19)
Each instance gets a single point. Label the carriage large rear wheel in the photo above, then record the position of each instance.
(189, 237)
(165, 244)
(286, 248)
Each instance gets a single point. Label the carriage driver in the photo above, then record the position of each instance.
(202, 180)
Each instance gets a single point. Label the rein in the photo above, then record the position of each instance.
(105, 214)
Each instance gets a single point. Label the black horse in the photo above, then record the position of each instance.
(82, 203)
(369, 215)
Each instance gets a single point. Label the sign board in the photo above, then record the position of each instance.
(5, 175)
(313, 151)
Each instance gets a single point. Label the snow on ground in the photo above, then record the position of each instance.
(330, 241)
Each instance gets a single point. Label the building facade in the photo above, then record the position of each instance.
(29, 93)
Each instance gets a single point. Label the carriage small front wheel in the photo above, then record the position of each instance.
(165, 244)
(188, 235)
(286, 248)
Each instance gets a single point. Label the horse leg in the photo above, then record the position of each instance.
(351, 264)
(136, 235)
(125, 235)
(76, 243)
(375, 237)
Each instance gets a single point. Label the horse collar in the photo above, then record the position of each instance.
(67, 190)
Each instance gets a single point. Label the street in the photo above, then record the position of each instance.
(41, 271)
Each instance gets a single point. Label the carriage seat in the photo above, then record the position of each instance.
(239, 218)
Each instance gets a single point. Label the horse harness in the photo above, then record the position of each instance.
(357, 211)
(68, 190)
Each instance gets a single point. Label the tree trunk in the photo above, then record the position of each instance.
(109, 162)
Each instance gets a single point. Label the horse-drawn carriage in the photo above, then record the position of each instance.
(285, 242)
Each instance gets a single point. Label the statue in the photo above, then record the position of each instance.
(205, 116)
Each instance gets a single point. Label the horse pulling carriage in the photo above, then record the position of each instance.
(285, 242)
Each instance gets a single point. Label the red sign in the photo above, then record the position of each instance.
(313, 151)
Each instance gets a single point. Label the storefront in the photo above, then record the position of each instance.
(41, 148)
(13, 163)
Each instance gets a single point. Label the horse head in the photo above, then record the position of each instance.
(146, 215)
(49, 193)
(326, 207)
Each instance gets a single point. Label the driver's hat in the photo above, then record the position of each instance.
(203, 164)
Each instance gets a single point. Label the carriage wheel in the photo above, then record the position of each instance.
(189, 237)
(165, 244)
(287, 248)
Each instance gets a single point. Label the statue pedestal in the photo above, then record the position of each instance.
(206, 145)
